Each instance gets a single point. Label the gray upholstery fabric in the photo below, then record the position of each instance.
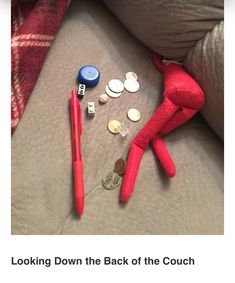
(42, 202)
(172, 29)
(206, 64)
(168, 27)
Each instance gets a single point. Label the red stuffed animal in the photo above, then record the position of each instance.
(182, 99)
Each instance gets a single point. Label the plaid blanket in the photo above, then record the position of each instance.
(33, 27)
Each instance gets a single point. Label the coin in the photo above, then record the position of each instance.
(111, 93)
(131, 76)
(111, 181)
(116, 85)
(134, 114)
(113, 126)
(103, 98)
(120, 166)
(131, 85)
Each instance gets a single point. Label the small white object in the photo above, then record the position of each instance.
(103, 98)
(91, 109)
(81, 90)
(168, 62)
(116, 85)
(111, 93)
(131, 85)
(123, 130)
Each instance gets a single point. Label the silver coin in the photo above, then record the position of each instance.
(111, 93)
(116, 85)
(131, 76)
(111, 181)
(134, 114)
(131, 85)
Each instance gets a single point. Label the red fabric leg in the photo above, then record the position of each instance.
(158, 144)
(180, 117)
(179, 86)
(163, 113)
(163, 155)
(132, 166)
(160, 117)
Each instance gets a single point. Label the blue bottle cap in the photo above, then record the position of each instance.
(88, 75)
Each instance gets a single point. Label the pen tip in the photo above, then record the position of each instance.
(79, 206)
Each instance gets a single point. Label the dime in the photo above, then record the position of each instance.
(131, 76)
(133, 114)
(111, 93)
(103, 98)
(116, 85)
(120, 166)
(131, 85)
(111, 181)
(113, 126)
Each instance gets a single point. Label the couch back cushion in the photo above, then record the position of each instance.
(168, 27)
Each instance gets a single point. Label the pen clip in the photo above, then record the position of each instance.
(76, 111)
(79, 116)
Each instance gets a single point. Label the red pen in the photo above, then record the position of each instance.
(76, 120)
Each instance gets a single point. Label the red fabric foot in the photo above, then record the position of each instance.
(163, 156)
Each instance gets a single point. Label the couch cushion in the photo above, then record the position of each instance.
(190, 203)
(168, 27)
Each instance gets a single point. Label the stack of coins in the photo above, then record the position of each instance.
(114, 88)
(131, 84)
(113, 179)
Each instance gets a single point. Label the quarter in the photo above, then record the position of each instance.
(113, 126)
(111, 93)
(116, 85)
(111, 181)
(134, 114)
(131, 85)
